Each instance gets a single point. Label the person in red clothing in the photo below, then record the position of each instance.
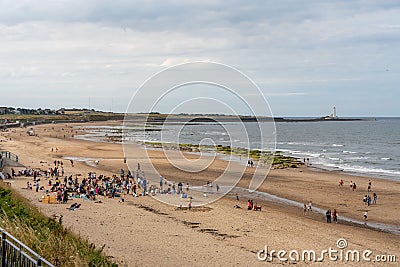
(250, 204)
(334, 215)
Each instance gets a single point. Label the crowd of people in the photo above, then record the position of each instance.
(333, 215)
(87, 188)
(93, 185)
(134, 183)
(367, 199)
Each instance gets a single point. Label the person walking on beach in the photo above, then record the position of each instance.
(37, 185)
(134, 188)
(144, 185)
(369, 185)
(354, 186)
(328, 216)
(375, 197)
(334, 215)
(190, 203)
(310, 206)
(305, 209)
(366, 215)
(128, 187)
(179, 188)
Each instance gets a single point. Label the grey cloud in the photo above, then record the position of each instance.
(290, 46)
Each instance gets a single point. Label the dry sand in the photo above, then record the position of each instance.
(143, 231)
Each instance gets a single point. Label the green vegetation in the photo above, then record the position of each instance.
(44, 235)
(277, 159)
(282, 162)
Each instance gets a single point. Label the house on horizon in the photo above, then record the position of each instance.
(7, 110)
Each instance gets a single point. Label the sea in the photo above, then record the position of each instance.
(369, 147)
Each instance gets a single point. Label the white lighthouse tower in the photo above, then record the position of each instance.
(334, 113)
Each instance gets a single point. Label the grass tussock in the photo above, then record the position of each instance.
(46, 236)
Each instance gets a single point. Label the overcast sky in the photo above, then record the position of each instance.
(305, 56)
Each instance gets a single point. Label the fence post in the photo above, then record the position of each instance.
(20, 254)
(3, 249)
(39, 262)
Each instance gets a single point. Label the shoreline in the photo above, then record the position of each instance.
(235, 151)
(356, 174)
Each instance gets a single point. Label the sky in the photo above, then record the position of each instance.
(305, 56)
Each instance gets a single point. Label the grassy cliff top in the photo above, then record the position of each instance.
(44, 235)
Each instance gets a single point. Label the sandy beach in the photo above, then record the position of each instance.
(144, 231)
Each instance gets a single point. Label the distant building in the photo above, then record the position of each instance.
(39, 111)
(7, 110)
(26, 111)
(332, 116)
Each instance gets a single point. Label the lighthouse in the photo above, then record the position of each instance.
(334, 113)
